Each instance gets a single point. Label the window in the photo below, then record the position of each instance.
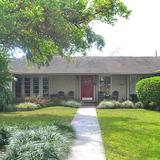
(45, 86)
(105, 84)
(18, 87)
(27, 86)
(35, 86)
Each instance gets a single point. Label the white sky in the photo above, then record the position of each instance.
(137, 36)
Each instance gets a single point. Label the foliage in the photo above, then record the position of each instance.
(148, 90)
(5, 78)
(38, 143)
(27, 106)
(4, 137)
(45, 101)
(72, 103)
(44, 28)
(139, 105)
(10, 108)
(42, 101)
(130, 134)
(115, 104)
(106, 104)
(57, 101)
(59, 116)
(128, 104)
(133, 97)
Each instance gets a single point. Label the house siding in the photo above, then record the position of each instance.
(63, 83)
(121, 83)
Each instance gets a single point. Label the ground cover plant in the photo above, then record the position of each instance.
(116, 104)
(47, 129)
(130, 134)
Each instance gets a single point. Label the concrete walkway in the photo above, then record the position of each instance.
(88, 144)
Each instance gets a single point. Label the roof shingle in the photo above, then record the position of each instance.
(91, 65)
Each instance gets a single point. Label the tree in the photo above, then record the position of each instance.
(5, 79)
(44, 28)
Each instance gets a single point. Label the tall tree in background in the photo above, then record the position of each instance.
(5, 79)
(44, 28)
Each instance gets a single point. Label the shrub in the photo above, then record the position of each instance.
(133, 97)
(4, 137)
(127, 104)
(154, 106)
(117, 104)
(42, 101)
(38, 143)
(27, 106)
(57, 101)
(148, 90)
(5, 97)
(72, 103)
(5, 79)
(10, 108)
(139, 105)
(106, 104)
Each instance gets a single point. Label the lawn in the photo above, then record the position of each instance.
(50, 115)
(130, 134)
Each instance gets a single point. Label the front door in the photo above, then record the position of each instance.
(87, 88)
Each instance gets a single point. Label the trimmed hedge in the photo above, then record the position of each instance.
(148, 90)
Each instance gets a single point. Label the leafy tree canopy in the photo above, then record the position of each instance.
(5, 78)
(44, 28)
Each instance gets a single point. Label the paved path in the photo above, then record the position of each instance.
(88, 144)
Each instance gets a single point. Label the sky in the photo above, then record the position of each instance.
(137, 36)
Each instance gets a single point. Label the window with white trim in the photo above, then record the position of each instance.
(105, 84)
(27, 86)
(35, 86)
(45, 86)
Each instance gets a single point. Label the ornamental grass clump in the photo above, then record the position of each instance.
(4, 138)
(139, 105)
(106, 104)
(127, 104)
(38, 143)
(72, 103)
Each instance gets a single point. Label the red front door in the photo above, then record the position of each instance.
(87, 87)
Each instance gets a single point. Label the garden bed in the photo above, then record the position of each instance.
(31, 127)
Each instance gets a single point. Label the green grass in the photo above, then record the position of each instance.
(50, 115)
(130, 134)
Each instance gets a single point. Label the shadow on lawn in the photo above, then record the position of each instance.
(12, 119)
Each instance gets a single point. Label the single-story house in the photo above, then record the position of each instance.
(83, 77)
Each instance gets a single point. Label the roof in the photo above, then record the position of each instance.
(91, 65)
